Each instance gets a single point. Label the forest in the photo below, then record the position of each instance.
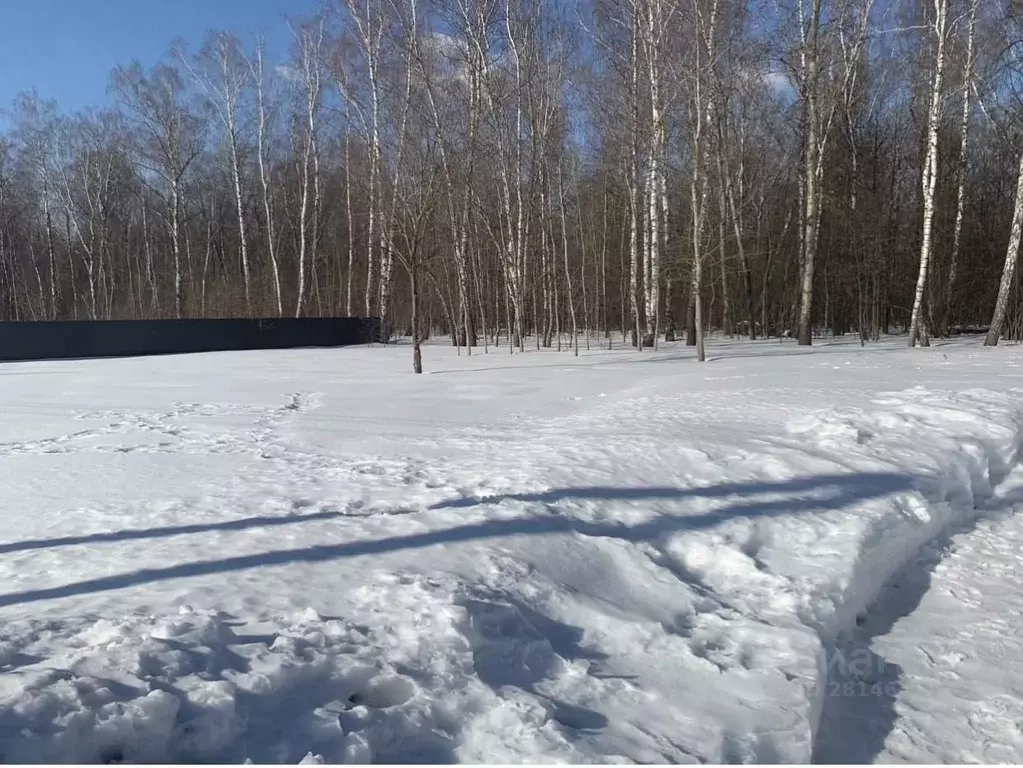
(548, 172)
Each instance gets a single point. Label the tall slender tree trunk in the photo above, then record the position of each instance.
(634, 187)
(964, 140)
(733, 208)
(1009, 269)
(314, 238)
(568, 271)
(726, 304)
(72, 277)
(371, 49)
(351, 224)
(302, 225)
(175, 246)
(310, 52)
(206, 264)
(150, 272)
(810, 54)
(50, 254)
(417, 352)
(236, 174)
(271, 240)
(603, 268)
(929, 178)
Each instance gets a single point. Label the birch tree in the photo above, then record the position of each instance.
(368, 18)
(220, 70)
(309, 39)
(471, 159)
(961, 168)
(172, 138)
(1009, 269)
(264, 119)
(929, 180)
(810, 52)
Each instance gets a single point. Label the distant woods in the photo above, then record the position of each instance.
(571, 173)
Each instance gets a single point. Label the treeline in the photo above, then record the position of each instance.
(504, 169)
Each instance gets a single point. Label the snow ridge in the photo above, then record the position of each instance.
(982, 433)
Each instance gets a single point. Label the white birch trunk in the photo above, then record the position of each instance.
(929, 178)
(370, 39)
(809, 57)
(309, 52)
(351, 224)
(518, 274)
(568, 272)
(240, 207)
(387, 230)
(634, 185)
(258, 74)
(964, 136)
(176, 246)
(1009, 270)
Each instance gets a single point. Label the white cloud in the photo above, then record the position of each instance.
(450, 55)
(777, 81)
(288, 73)
(443, 44)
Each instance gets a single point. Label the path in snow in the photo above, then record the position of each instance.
(933, 673)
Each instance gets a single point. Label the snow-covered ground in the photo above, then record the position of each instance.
(623, 557)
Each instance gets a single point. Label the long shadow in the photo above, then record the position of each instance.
(174, 530)
(888, 481)
(842, 491)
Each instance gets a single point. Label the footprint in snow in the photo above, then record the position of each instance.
(383, 692)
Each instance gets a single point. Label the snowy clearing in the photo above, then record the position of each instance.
(623, 557)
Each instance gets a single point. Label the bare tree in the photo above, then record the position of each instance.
(172, 137)
(258, 77)
(309, 39)
(815, 138)
(691, 159)
(961, 167)
(221, 71)
(1009, 269)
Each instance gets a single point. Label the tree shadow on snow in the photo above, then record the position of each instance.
(515, 645)
(172, 530)
(801, 495)
(844, 488)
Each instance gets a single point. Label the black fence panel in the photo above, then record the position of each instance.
(63, 340)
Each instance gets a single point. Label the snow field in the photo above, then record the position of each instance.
(625, 557)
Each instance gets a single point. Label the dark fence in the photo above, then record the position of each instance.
(129, 338)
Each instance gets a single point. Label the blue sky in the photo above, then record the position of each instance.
(66, 48)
